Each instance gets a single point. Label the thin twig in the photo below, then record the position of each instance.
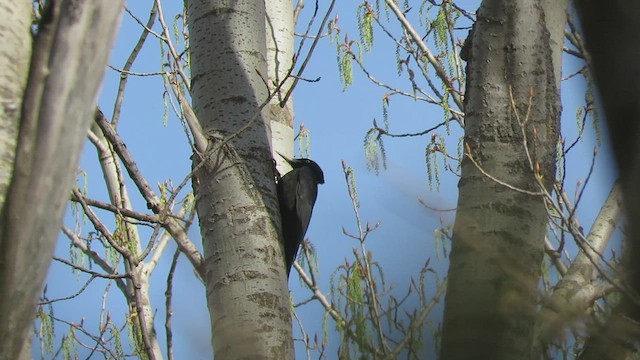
(308, 57)
(117, 106)
(168, 309)
(442, 74)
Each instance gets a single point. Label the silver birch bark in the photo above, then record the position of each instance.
(498, 235)
(67, 65)
(236, 200)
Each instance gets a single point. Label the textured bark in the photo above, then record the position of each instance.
(15, 51)
(612, 34)
(67, 65)
(498, 235)
(244, 271)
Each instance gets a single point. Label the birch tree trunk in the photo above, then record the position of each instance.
(15, 51)
(512, 110)
(46, 111)
(236, 199)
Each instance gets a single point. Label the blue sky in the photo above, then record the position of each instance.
(338, 122)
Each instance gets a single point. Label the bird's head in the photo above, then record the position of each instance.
(312, 165)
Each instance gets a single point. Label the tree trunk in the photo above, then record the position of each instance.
(15, 51)
(67, 64)
(279, 22)
(236, 199)
(512, 103)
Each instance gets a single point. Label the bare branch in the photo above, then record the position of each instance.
(199, 137)
(95, 257)
(442, 74)
(168, 310)
(117, 106)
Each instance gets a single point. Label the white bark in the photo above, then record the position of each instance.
(279, 22)
(236, 198)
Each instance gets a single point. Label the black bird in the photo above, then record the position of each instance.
(297, 192)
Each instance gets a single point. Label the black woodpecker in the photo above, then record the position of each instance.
(297, 192)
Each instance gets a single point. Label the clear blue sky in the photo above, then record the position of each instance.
(338, 122)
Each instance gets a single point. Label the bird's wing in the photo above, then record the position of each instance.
(297, 195)
(291, 230)
(306, 193)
